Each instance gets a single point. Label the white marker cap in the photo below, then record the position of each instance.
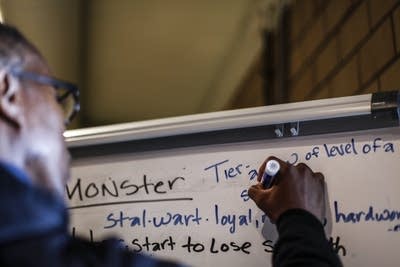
(272, 167)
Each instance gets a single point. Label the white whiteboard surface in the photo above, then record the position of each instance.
(362, 183)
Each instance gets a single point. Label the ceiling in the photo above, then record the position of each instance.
(144, 59)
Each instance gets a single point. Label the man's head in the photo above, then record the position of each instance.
(31, 119)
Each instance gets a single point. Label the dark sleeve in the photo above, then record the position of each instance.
(109, 253)
(302, 242)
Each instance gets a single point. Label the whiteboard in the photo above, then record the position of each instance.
(190, 204)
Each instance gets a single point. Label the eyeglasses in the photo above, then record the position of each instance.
(67, 94)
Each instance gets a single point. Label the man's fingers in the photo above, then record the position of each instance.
(321, 179)
(302, 167)
(319, 176)
(253, 190)
(256, 192)
(260, 196)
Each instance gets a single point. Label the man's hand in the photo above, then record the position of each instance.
(294, 187)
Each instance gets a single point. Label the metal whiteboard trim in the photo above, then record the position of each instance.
(222, 120)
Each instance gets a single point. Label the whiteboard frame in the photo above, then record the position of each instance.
(343, 114)
(222, 120)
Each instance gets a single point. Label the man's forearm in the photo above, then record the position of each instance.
(302, 242)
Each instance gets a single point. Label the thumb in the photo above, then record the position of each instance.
(261, 171)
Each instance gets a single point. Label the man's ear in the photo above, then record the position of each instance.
(10, 99)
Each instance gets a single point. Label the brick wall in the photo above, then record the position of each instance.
(343, 47)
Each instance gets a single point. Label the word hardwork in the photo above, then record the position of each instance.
(370, 214)
(118, 188)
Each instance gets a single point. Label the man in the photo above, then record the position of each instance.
(34, 168)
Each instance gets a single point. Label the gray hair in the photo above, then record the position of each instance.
(14, 47)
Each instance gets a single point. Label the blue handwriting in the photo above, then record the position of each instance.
(368, 215)
(169, 218)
